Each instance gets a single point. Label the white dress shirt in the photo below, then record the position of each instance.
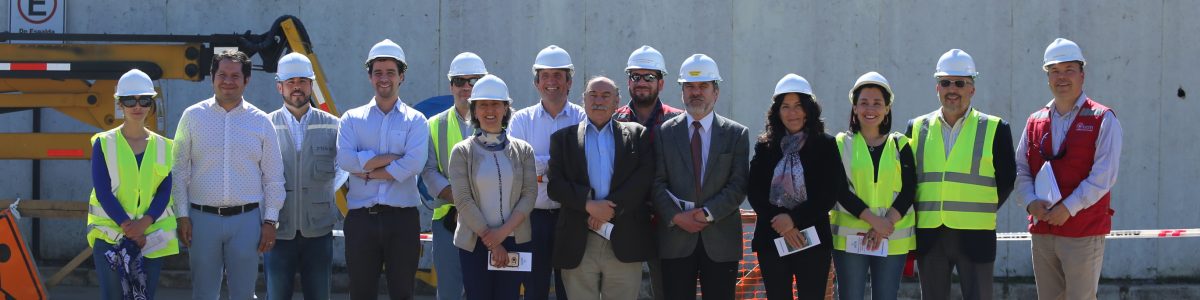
(1100, 179)
(366, 131)
(227, 158)
(534, 125)
(297, 128)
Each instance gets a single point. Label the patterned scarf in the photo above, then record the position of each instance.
(787, 184)
(491, 141)
(126, 258)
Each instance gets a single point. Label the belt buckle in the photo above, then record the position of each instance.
(373, 210)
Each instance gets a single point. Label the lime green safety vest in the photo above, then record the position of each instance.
(134, 186)
(878, 195)
(956, 190)
(439, 127)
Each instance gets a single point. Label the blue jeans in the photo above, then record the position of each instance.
(224, 248)
(537, 284)
(852, 275)
(445, 260)
(110, 281)
(311, 257)
(481, 284)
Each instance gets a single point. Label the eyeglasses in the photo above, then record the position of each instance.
(957, 83)
(1042, 147)
(460, 81)
(645, 77)
(130, 101)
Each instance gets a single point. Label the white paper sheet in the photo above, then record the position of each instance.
(810, 235)
(855, 244)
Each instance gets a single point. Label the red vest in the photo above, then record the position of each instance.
(1071, 169)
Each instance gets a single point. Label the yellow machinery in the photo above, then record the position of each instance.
(78, 77)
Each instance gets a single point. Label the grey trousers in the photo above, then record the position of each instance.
(975, 278)
(601, 275)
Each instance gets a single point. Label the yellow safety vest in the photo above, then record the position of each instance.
(134, 188)
(956, 190)
(439, 128)
(878, 195)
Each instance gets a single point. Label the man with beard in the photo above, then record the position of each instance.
(383, 144)
(552, 72)
(958, 195)
(308, 141)
(698, 185)
(646, 68)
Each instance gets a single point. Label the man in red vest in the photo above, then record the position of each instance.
(1072, 147)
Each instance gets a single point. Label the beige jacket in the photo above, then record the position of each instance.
(464, 161)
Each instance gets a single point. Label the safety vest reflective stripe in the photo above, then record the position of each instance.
(948, 205)
(133, 185)
(976, 157)
(877, 192)
(442, 141)
(948, 192)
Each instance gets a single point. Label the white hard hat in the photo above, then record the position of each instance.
(956, 63)
(872, 78)
(387, 48)
(135, 83)
(552, 57)
(490, 87)
(294, 65)
(466, 63)
(698, 68)
(1062, 50)
(647, 58)
(792, 83)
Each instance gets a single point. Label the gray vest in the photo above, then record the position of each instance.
(309, 175)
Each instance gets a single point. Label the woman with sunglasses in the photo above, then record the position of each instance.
(493, 180)
(874, 218)
(130, 222)
(792, 187)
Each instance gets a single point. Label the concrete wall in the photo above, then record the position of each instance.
(1140, 54)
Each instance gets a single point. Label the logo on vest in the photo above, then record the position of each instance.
(1084, 127)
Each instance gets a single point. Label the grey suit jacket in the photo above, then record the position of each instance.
(724, 188)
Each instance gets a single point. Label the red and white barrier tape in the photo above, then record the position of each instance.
(425, 237)
(1019, 236)
(1117, 234)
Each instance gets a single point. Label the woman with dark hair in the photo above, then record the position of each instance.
(795, 179)
(492, 177)
(874, 218)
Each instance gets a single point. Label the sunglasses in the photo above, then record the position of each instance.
(131, 101)
(645, 78)
(957, 83)
(1044, 148)
(460, 81)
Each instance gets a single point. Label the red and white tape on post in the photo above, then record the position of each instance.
(34, 66)
(425, 237)
(1117, 234)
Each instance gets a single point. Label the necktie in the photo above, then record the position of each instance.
(697, 157)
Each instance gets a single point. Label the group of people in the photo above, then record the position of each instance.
(577, 198)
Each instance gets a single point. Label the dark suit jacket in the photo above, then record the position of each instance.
(723, 191)
(823, 177)
(633, 168)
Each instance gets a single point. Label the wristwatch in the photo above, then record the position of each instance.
(272, 223)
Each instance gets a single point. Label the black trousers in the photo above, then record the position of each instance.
(717, 279)
(810, 269)
(384, 240)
